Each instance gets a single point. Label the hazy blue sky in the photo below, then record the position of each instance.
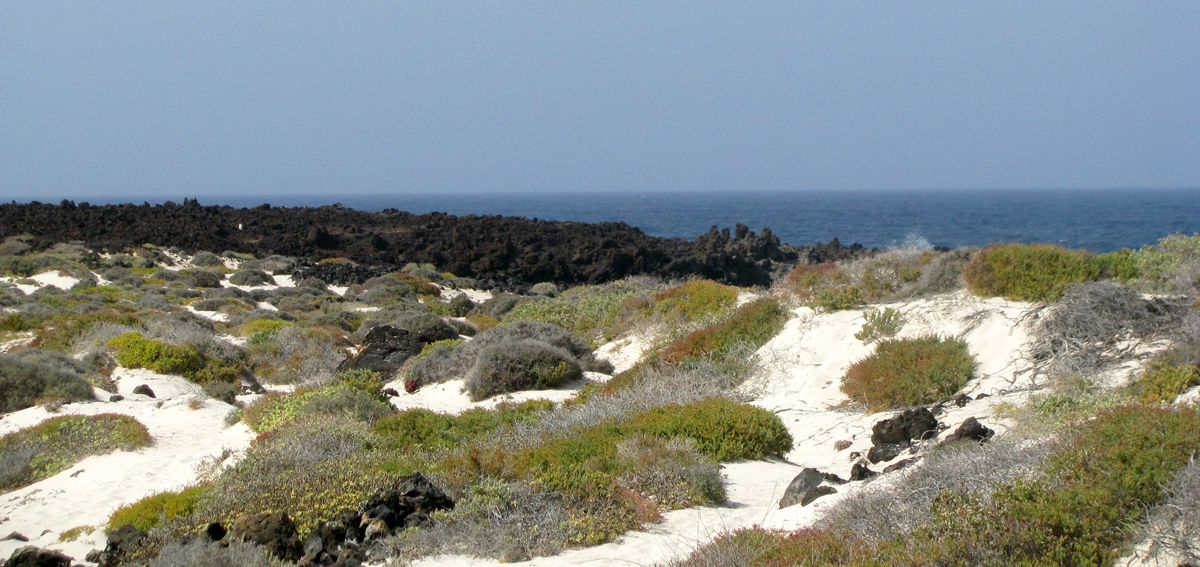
(202, 98)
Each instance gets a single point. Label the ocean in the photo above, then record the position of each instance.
(1096, 220)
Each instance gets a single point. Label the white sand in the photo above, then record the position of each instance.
(53, 278)
(88, 492)
(451, 398)
(210, 315)
(624, 352)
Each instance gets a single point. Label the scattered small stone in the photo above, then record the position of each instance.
(144, 390)
(390, 392)
(116, 398)
(77, 473)
(982, 396)
(962, 400)
(841, 445)
(15, 536)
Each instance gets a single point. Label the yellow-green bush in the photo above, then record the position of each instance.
(694, 300)
(136, 351)
(1029, 272)
(595, 312)
(261, 326)
(354, 395)
(754, 324)
(425, 429)
(54, 445)
(909, 372)
(1163, 382)
(156, 508)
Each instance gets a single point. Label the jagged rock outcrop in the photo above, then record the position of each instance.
(509, 251)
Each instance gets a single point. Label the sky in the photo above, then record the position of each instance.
(162, 98)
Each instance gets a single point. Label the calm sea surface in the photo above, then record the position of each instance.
(1099, 220)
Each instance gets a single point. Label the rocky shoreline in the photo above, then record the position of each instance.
(512, 252)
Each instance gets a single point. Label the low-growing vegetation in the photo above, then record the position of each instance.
(880, 324)
(754, 323)
(46, 449)
(36, 377)
(909, 372)
(1029, 272)
(354, 395)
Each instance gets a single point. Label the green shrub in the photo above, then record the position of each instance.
(34, 377)
(296, 354)
(754, 323)
(723, 430)
(1163, 382)
(805, 281)
(251, 278)
(148, 512)
(260, 329)
(208, 259)
(422, 428)
(136, 351)
(1172, 265)
(671, 473)
(1029, 272)
(909, 372)
(354, 396)
(314, 469)
(597, 312)
(880, 324)
(198, 278)
(50, 447)
(838, 299)
(1120, 265)
(520, 365)
(694, 300)
(60, 332)
(586, 462)
(548, 289)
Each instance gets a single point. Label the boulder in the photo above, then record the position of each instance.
(116, 398)
(385, 349)
(841, 445)
(15, 536)
(861, 472)
(119, 542)
(30, 556)
(215, 531)
(274, 531)
(910, 425)
(883, 453)
(805, 488)
(144, 390)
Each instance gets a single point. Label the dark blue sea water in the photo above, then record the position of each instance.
(1098, 220)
